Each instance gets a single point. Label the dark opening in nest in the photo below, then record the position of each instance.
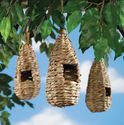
(70, 72)
(26, 75)
(108, 91)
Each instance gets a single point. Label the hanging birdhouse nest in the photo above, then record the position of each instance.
(62, 88)
(27, 79)
(98, 95)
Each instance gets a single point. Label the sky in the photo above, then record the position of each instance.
(44, 114)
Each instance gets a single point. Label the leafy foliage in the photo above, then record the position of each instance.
(5, 27)
(73, 20)
(46, 48)
(101, 25)
(8, 99)
(46, 28)
(2, 67)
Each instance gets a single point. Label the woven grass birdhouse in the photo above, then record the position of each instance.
(62, 88)
(27, 79)
(98, 95)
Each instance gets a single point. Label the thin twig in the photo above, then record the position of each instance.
(93, 3)
(101, 11)
(88, 7)
(12, 2)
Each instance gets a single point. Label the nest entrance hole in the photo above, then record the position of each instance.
(70, 72)
(26, 75)
(108, 91)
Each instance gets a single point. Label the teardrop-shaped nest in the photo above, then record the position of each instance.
(98, 95)
(27, 79)
(63, 83)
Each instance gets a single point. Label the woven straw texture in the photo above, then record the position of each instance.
(27, 79)
(63, 83)
(98, 95)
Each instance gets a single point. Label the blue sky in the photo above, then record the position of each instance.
(45, 114)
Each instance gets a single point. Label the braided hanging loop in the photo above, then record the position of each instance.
(63, 83)
(98, 95)
(27, 79)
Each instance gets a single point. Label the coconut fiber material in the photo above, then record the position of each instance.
(27, 79)
(63, 78)
(98, 95)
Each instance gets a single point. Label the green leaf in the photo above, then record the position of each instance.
(113, 37)
(58, 18)
(74, 5)
(5, 56)
(30, 104)
(4, 78)
(46, 29)
(46, 48)
(73, 20)
(3, 12)
(122, 19)
(2, 67)
(101, 49)
(4, 118)
(7, 102)
(7, 92)
(90, 31)
(121, 8)
(90, 20)
(17, 14)
(2, 107)
(16, 100)
(43, 47)
(38, 37)
(106, 59)
(53, 35)
(5, 27)
(5, 114)
(85, 42)
(19, 11)
(111, 15)
(49, 49)
(119, 49)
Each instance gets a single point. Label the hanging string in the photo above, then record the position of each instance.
(62, 6)
(27, 33)
(62, 12)
(24, 2)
